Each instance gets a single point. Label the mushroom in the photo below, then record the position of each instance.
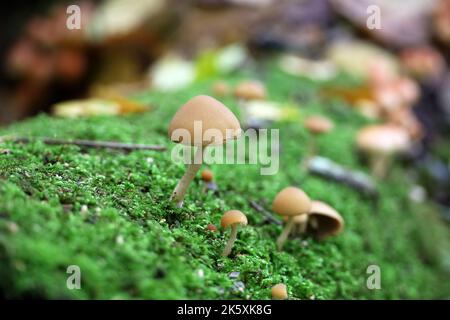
(406, 119)
(201, 122)
(300, 223)
(233, 219)
(279, 292)
(247, 91)
(380, 143)
(208, 177)
(290, 202)
(423, 62)
(317, 125)
(250, 90)
(324, 221)
(220, 88)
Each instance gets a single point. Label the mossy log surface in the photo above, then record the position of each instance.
(109, 213)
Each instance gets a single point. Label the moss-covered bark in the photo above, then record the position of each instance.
(109, 212)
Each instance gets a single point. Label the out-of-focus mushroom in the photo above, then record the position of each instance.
(324, 221)
(396, 94)
(208, 177)
(201, 122)
(423, 63)
(317, 125)
(290, 202)
(406, 119)
(408, 90)
(220, 88)
(233, 219)
(380, 143)
(441, 21)
(361, 59)
(279, 292)
(250, 90)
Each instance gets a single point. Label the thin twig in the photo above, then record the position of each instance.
(87, 143)
(264, 212)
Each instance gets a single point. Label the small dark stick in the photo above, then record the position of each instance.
(87, 143)
(328, 169)
(269, 217)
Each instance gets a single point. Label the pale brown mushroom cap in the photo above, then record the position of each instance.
(383, 139)
(250, 90)
(318, 124)
(212, 114)
(207, 175)
(279, 291)
(291, 201)
(233, 217)
(329, 221)
(220, 88)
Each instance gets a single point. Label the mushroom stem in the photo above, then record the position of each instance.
(314, 223)
(244, 112)
(302, 227)
(312, 146)
(191, 171)
(287, 229)
(379, 165)
(231, 240)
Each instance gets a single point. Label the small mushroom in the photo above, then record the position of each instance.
(324, 221)
(317, 125)
(208, 177)
(220, 88)
(398, 93)
(200, 115)
(290, 202)
(250, 90)
(211, 227)
(279, 292)
(423, 62)
(406, 119)
(233, 219)
(380, 143)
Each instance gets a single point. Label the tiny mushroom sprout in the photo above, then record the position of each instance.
(250, 90)
(324, 221)
(290, 202)
(279, 292)
(220, 88)
(208, 177)
(381, 143)
(203, 121)
(317, 125)
(233, 219)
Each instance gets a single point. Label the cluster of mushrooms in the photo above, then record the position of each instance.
(379, 142)
(302, 215)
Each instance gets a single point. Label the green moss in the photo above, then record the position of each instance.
(167, 253)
